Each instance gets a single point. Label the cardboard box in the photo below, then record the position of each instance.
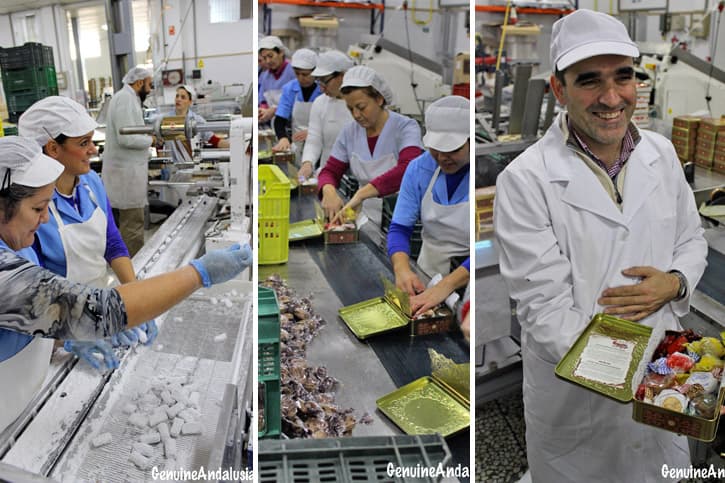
(709, 124)
(461, 69)
(688, 122)
(684, 133)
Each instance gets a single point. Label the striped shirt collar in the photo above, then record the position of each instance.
(630, 141)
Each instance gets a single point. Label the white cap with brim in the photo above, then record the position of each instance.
(190, 90)
(304, 59)
(330, 62)
(52, 116)
(584, 34)
(135, 74)
(362, 76)
(271, 42)
(22, 162)
(447, 124)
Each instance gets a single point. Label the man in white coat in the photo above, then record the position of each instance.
(125, 158)
(595, 217)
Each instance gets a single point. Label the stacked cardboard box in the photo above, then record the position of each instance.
(710, 140)
(640, 117)
(684, 136)
(484, 211)
(718, 163)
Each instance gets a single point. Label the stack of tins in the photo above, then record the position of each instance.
(484, 211)
(684, 136)
(710, 134)
(640, 117)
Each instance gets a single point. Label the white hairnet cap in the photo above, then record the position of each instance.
(332, 61)
(447, 124)
(362, 76)
(23, 162)
(271, 42)
(52, 116)
(586, 33)
(304, 59)
(190, 90)
(136, 73)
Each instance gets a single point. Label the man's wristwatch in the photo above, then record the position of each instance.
(682, 292)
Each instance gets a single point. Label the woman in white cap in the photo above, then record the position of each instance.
(376, 148)
(37, 305)
(328, 113)
(277, 72)
(81, 240)
(180, 150)
(435, 189)
(293, 112)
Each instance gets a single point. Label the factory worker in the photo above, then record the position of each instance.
(181, 151)
(595, 217)
(277, 72)
(126, 156)
(293, 111)
(435, 189)
(328, 113)
(80, 240)
(376, 148)
(39, 305)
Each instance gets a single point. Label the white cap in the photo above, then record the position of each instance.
(23, 162)
(362, 76)
(304, 59)
(271, 42)
(136, 73)
(447, 124)
(332, 61)
(189, 89)
(52, 116)
(584, 34)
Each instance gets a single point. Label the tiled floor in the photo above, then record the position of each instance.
(500, 442)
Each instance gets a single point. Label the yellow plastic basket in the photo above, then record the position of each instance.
(273, 233)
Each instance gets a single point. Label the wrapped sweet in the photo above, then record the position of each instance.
(705, 379)
(672, 400)
(703, 406)
(658, 382)
(660, 366)
(707, 363)
(707, 345)
(680, 362)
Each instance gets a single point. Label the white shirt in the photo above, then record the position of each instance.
(327, 117)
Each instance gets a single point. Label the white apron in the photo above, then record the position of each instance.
(445, 232)
(272, 97)
(366, 171)
(300, 122)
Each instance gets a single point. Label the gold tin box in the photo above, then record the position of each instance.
(644, 341)
(335, 237)
(431, 404)
(310, 228)
(391, 312)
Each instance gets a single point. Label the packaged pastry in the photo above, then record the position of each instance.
(672, 400)
(705, 379)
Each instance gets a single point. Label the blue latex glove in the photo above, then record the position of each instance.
(125, 338)
(218, 266)
(87, 349)
(148, 331)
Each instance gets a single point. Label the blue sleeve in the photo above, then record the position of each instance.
(467, 264)
(115, 247)
(287, 100)
(410, 197)
(399, 238)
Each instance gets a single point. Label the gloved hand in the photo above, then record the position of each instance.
(125, 338)
(218, 266)
(144, 333)
(87, 350)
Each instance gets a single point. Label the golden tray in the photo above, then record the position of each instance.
(426, 406)
(372, 317)
(302, 230)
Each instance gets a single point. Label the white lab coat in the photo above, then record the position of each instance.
(563, 241)
(327, 117)
(126, 156)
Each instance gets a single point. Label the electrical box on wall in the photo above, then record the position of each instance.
(196, 74)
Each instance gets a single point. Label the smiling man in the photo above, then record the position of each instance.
(595, 217)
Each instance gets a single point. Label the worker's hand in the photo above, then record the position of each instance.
(331, 202)
(125, 338)
(282, 146)
(428, 299)
(299, 136)
(266, 114)
(146, 332)
(408, 281)
(635, 302)
(93, 352)
(305, 170)
(218, 266)
(355, 203)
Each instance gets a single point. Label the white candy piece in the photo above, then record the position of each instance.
(213, 300)
(221, 337)
(139, 420)
(150, 438)
(228, 303)
(141, 462)
(175, 410)
(101, 440)
(178, 319)
(194, 399)
(142, 337)
(176, 427)
(190, 415)
(144, 449)
(167, 398)
(170, 448)
(158, 416)
(191, 428)
(164, 431)
(129, 408)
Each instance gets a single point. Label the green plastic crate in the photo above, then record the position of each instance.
(268, 367)
(274, 201)
(349, 459)
(28, 54)
(30, 79)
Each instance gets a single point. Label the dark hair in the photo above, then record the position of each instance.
(11, 197)
(276, 49)
(559, 74)
(60, 139)
(370, 91)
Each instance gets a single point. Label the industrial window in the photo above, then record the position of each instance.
(221, 11)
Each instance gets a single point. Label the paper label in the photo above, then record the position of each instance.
(605, 360)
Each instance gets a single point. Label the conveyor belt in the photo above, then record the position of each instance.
(712, 282)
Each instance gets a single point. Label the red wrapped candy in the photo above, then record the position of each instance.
(679, 362)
